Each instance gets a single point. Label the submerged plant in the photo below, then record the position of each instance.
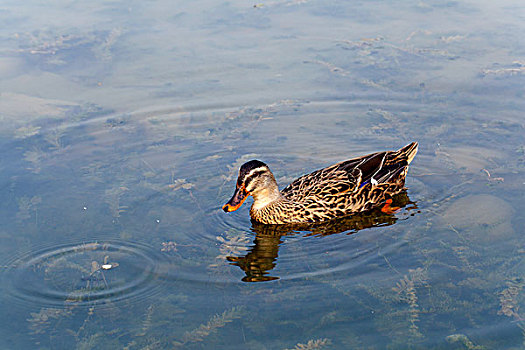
(463, 339)
(313, 344)
(406, 290)
(26, 131)
(146, 324)
(509, 299)
(40, 321)
(27, 207)
(204, 330)
(113, 196)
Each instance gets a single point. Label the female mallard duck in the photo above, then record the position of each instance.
(344, 188)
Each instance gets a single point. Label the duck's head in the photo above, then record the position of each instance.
(255, 179)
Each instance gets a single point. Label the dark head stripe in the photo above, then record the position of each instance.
(252, 177)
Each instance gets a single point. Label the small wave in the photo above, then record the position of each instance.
(84, 274)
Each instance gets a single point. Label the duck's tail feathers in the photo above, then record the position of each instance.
(409, 151)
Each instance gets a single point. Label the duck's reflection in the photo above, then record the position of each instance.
(262, 256)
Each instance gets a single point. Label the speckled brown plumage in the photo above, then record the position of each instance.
(351, 186)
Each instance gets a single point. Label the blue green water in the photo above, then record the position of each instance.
(122, 128)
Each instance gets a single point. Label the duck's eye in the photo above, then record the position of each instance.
(254, 175)
(252, 181)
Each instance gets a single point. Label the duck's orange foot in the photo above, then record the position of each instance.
(387, 209)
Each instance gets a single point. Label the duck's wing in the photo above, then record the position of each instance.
(335, 180)
(347, 177)
(405, 153)
(387, 167)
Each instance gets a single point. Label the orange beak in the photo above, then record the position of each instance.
(239, 196)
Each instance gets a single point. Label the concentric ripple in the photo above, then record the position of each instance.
(84, 274)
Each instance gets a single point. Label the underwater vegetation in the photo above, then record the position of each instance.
(448, 235)
(112, 235)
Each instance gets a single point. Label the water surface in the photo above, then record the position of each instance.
(123, 125)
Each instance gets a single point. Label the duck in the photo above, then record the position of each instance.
(348, 187)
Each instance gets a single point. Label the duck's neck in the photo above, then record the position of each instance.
(266, 196)
(276, 211)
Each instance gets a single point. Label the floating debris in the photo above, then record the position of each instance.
(500, 179)
(235, 243)
(169, 246)
(181, 183)
(109, 266)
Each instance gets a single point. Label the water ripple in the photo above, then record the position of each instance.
(84, 274)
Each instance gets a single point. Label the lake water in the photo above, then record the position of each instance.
(122, 128)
